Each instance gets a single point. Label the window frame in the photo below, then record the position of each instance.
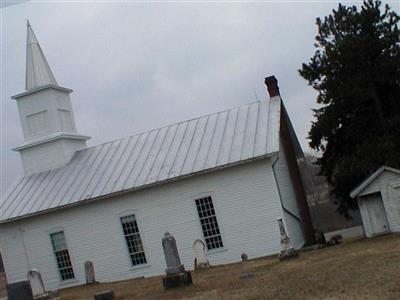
(57, 269)
(221, 231)
(127, 255)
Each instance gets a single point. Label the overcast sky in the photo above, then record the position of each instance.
(138, 66)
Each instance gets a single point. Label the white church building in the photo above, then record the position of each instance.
(224, 178)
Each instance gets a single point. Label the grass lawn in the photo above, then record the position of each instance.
(360, 269)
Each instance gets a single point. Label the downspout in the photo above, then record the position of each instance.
(279, 191)
(21, 231)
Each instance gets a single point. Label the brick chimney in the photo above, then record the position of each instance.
(272, 85)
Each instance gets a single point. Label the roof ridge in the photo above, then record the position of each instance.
(171, 124)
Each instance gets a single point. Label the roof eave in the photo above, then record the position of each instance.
(50, 138)
(41, 88)
(147, 186)
(358, 189)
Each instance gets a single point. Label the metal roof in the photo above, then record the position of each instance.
(38, 72)
(190, 147)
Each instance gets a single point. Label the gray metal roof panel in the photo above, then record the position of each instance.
(147, 158)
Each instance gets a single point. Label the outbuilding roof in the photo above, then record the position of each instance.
(203, 144)
(358, 189)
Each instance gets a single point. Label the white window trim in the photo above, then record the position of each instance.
(213, 196)
(71, 256)
(127, 255)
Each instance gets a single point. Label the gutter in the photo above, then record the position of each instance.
(279, 191)
(134, 189)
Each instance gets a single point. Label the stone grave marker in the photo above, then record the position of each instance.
(89, 272)
(246, 275)
(175, 271)
(105, 295)
(200, 260)
(36, 281)
(287, 250)
(244, 257)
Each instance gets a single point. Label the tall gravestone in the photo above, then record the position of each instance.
(175, 271)
(36, 281)
(287, 250)
(201, 260)
(89, 272)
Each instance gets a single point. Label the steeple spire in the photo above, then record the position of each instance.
(47, 118)
(38, 72)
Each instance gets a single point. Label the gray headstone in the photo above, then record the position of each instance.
(287, 250)
(105, 295)
(89, 272)
(172, 259)
(201, 260)
(36, 282)
(19, 291)
(244, 257)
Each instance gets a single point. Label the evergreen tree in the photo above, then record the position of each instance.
(356, 71)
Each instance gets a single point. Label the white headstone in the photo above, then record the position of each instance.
(36, 282)
(89, 272)
(200, 260)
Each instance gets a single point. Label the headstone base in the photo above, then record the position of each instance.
(42, 297)
(201, 266)
(19, 290)
(288, 253)
(176, 280)
(105, 295)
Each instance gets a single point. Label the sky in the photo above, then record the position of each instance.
(136, 66)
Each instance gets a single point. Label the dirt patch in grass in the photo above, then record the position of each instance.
(360, 269)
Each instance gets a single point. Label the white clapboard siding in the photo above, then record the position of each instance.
(246, 202)
(288, 199)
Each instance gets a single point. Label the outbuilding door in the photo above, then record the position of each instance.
(376, 213)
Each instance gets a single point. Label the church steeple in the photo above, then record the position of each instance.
(46, 115)
(38, 72)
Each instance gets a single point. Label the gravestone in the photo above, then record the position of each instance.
(175, 271)
(171, 255)
(19, 290)
(246, 275)
(89, 272)
(287, 250)
(105, 295)
(200, 260)
(36, 281)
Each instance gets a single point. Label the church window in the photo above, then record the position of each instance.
(62, 255)
(209, 223)
(133, 240)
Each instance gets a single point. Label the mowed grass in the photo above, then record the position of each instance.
(358, 269)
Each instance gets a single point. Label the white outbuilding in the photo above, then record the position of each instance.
(378, 198)
(224, 178)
